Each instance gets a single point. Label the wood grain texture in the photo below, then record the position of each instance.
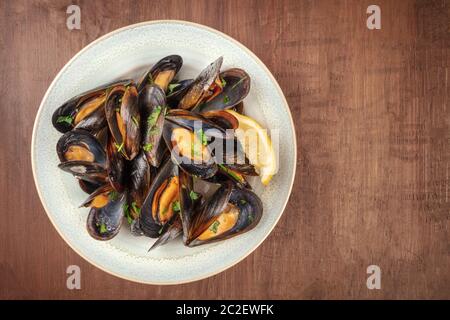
(373, 127)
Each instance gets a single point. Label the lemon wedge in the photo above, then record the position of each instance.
(257, 146)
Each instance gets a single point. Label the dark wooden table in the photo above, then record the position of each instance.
(373, 128)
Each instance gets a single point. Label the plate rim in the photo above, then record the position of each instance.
(110, 34)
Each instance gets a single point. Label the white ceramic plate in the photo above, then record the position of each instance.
(126, 53)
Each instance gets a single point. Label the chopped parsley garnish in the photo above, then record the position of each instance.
(202, 136)
(214, 226)
(147, 147)
(129, 219)
(103, 228)
(193, 195)
(250, 218)
(136, 208)
(224, 83)
(66, 119)
(237, 83)
(176, 206)
(230, 172)
(226, 99)
(153, 117)
(135, 120)
(154, 131)
(172, 86)
(119, 148)
(113, 195)
(242, 201)
(195, 149)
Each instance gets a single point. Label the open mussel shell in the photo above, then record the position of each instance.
(104, 223)
(196, 122)
(152, 104)
(115, 166)
(223, 119)
(99, 197)
(162, 73)
(122, 114)
(189, 199)
(226, 174)
(203, 87)
(229, 212)
(189, 151)
(85, 170)
(80, 145)
(170, 231)
(177, 90)
(89, 187)
(237, 87)
(160, 205)
(84, 111)
(138, 185)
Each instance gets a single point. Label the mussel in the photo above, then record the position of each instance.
(227, 213)
(204, 88)
(124, 120)
(162, 202)
(115, 165)
(138, 186)
(189, 146)
(80, 145)
(162, 73)
(89, 187)
(176, 91)
(153, 109)
(85, 111)
(236, 86)
(105, 219)
(82, 155)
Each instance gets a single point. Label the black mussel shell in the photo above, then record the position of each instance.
(138, 184)
(85, 170)
(115, 166)
(176, 91)
(88, 187)
(171, 230)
